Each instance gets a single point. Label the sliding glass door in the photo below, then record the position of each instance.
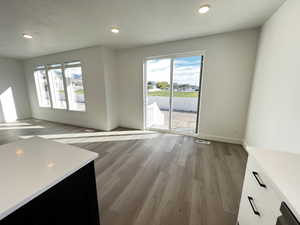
(158, 93)
(172, 93)
(186, 87)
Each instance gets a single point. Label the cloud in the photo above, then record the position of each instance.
(186, 70)
(158, 70)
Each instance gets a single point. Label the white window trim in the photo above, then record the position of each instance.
(49, 67)
(83, 84)
(38, 88)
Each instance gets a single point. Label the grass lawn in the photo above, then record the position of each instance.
(176, 94)
(79, 92)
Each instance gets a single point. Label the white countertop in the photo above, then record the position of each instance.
(30, 167)
(284, 170)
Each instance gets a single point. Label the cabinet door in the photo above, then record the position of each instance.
(72, 201)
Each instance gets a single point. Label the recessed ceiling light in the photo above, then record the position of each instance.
(115, 30)
(27, 36)
(51, 164)
(19, 152)
(204, 9)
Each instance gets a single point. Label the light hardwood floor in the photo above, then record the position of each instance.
(153, 179)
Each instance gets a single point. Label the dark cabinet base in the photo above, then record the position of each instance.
(72, 201)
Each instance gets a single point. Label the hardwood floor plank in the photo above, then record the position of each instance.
(160, 179)
(151, 204)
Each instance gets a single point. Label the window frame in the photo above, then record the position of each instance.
(38, 87)
(53, 97)
(70, 64)
(62, 66)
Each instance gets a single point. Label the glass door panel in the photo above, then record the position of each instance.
(186, 87)
(158, 93)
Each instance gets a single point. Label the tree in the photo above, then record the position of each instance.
(184, 86)
(150, 86)
(162, 85)
(175, 86)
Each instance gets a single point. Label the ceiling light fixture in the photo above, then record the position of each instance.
(27, 36)
(115, 30)
(204, 9)
(19, 152)
(50, 164)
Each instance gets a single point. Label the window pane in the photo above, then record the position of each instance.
(186, 80)
(75, 88)
(159, 93)
(42, 88)
(57, 88)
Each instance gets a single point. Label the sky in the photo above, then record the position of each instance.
(186, 70)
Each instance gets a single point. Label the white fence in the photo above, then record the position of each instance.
(154, 115)
(179, 104)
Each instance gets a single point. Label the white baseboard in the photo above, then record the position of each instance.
(247, 147)
(207, 137)
(221, 139)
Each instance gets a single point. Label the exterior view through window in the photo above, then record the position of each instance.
(56, 80)
(172, 93)
(159, 93)
(66, 86)
(75, 88)
(42, 86)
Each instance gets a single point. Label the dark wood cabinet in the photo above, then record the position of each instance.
(71, 201)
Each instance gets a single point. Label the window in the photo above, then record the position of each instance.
(64, 83)
(56, 80)
(75, 88)
(42, 87)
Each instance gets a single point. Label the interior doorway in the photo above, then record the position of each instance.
(172, 90)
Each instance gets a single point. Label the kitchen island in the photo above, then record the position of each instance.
(44, 182)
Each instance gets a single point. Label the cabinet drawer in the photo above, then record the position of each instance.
(247, 215)
(253, 212)
(257, 182)
(258, 187)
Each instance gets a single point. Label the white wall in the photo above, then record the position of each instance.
(93, 63)
(229, 67)
(274, 113)
(11, 75)
(111, 87)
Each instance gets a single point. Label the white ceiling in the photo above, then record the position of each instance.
(61, 25)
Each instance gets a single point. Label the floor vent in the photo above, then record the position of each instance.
(200, 141)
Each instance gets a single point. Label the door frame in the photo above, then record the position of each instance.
(200, 96)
